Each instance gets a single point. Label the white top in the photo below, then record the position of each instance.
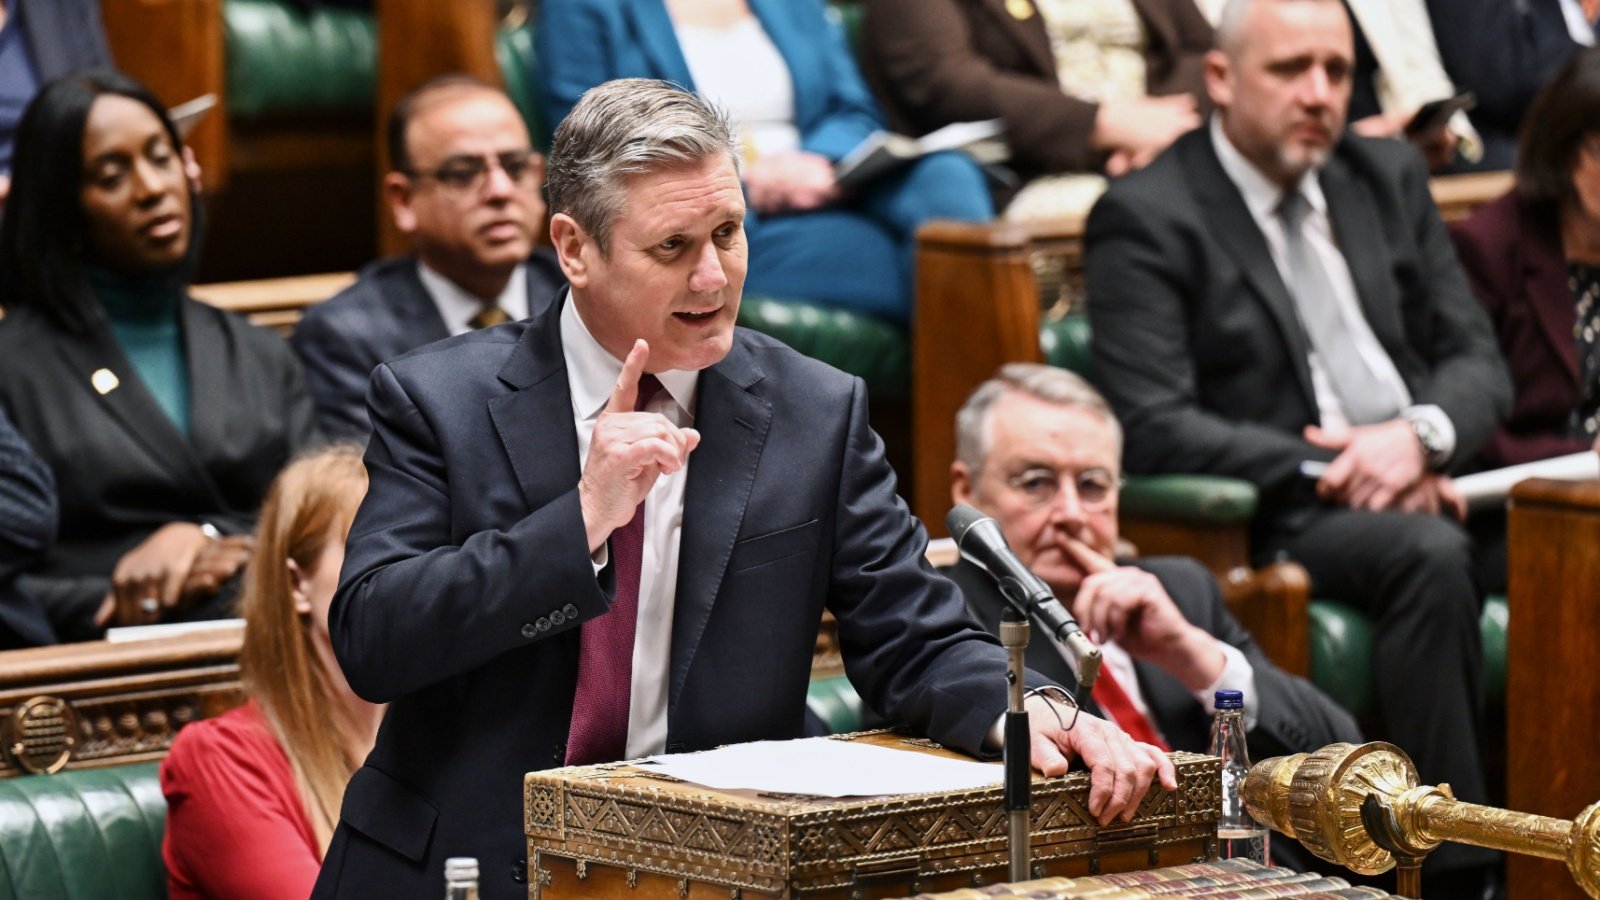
(591, 374)
(1261, 197)
(739, 69)
(457, 307)
(1237, 675)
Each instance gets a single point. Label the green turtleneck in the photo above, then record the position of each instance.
(143, 311)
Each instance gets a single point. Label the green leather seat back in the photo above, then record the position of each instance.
(513, 50)
(836, 703)
(282, 62)
(862, 345)
(1064, 342)
(91, 834)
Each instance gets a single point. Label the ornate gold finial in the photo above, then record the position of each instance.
(1318, 799)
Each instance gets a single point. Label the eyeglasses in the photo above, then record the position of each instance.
(467, 173)
(1095, 487)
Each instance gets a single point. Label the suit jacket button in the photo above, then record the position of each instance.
(542, 624)
(569, 611)
(556, 618)
(529, 631)
(519, 870)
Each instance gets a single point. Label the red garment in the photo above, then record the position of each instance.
(236, 828)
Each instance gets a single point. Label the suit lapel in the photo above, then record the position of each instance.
(1236, 230)
(534, 420)
(130, 403)
(1029, 34)
(1544, 287)
(413, 305)
(652, 28)
(213, 392)
(1359, 234)
(733, 423)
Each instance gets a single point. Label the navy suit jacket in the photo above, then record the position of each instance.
(27, 529)
(467, 574)
(1294, 716)
(582, 43)
(386, 313)
(64, 35)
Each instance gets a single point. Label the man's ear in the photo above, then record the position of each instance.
(1219, 87)
(962, 487)
(397, 191)
(299, 588)
(571, 242)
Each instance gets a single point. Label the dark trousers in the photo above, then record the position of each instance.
(1414, 576)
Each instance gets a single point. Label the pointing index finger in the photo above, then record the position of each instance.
(626, 392)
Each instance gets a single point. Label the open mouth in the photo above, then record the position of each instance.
(697, 316)
(163, 226)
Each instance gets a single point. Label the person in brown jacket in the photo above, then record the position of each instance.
(1084, 87)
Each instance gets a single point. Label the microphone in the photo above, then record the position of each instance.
(983, 544)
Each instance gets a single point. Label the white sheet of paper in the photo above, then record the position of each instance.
(1487, 489)
(825, 768)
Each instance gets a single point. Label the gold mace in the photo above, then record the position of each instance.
(1361, 807)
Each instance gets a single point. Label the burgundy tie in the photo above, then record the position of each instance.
(599, 730)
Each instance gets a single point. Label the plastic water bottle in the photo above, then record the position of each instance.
(1238, 835)
(461, 878)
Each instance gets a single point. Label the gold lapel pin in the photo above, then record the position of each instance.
(1021, 10)
(104, 380)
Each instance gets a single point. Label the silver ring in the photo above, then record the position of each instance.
(149, 606)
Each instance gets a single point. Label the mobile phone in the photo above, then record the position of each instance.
(1435, 114)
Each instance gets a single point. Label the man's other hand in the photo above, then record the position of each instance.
(1376, 465)
(628, 452)
(1120, 768)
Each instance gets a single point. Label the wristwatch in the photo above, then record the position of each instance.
(1431, 441)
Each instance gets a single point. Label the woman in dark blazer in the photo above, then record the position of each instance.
(163, 419)
(934, 62)
(808, 240)
(1533, 258)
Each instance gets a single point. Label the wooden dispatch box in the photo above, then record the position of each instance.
(620, 831)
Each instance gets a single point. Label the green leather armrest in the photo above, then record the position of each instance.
(83, 835)
(1197, 499)
(836, 703)
(283, 62)
(1341, 653)
(1064, 342)
(861, 345)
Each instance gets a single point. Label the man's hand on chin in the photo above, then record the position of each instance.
(1120, 768)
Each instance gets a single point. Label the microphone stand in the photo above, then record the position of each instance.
(1018, 766)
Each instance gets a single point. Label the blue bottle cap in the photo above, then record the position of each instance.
(1230, 699)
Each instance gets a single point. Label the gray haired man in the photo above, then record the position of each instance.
(611, 530)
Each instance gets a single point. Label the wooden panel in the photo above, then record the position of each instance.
(274, 303)
(176, 48)
(419, 40)
(1458, 195)
(1552, 653)
(99, 704)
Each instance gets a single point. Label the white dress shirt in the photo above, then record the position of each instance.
(1261, 197)
(1237, 675)
(1578, 25)
(457, 307)
(591, 375)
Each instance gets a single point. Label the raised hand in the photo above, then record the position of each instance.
(628, 452)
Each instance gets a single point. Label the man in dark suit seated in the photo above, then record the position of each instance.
(27, 529)
(1272, 298)
(564, 560)
(1039, 450)
(465, 187)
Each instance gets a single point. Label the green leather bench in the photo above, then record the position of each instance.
(1340, 636)
(86, 834)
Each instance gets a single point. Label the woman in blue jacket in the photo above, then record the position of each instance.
(784, 74)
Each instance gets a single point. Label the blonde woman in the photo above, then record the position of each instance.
(253, 795)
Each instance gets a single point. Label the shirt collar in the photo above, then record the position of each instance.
(592, 372)
(457, 306)
(1261, 194)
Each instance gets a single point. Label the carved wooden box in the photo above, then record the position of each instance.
(618, 831)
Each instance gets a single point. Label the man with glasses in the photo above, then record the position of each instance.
(464, 185)
(1039, 450)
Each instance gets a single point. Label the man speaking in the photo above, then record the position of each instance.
(611, 530)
